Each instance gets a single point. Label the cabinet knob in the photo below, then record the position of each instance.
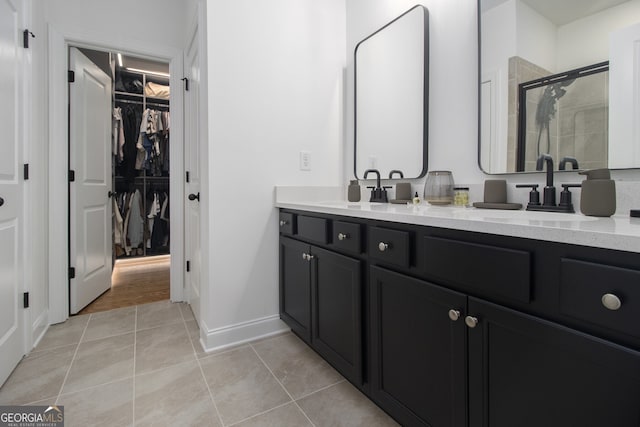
(383, 246)
(283, 223)
(342, 236)
(304, 256)
(471, 321)
(611, 301)
(454, 314)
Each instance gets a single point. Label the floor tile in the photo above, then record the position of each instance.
(106, 405)
(162, 347)
(300, 370)
(38, 376)
(109, 323)
(158, 314)
(241, 385)
(101, 361)
(63, 334)
(342, 405)
(285, 416)
(187, 313)
(174, 396)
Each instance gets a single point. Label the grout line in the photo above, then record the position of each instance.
(321, 389)
(135, 345)
(282, 385)
(75, 353)
(94, 386)
(261, 413)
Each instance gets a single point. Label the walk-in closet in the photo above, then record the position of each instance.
(140, 198)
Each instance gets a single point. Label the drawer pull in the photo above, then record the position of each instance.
(383, 246)
(611, 301)
(283, 223)
(471, 321)
(342, 236)
(454, 314)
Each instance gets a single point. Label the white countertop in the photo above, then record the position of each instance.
(617, 232)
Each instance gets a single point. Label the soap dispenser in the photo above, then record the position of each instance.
(353, 192)
(598, 196)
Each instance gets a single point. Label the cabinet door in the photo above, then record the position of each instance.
(418, 355)
(524, 371)
(295, 287)
(337, 313)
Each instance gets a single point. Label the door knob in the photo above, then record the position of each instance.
(1, 201)
(110, 194)
(194, 196)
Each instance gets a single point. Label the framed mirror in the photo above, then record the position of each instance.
(392, 97)
(559, 78)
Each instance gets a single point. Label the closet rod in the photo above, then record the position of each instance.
(128, 101)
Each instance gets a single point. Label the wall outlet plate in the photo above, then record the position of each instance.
(305, 160)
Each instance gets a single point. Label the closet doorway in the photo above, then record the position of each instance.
(138, 195)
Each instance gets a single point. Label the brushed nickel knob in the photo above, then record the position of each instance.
(454, 314)
(383, 246)
(283, 223)
(611, 301)
(304, 256)
(310, 257)
(471, 321)
(342, 236)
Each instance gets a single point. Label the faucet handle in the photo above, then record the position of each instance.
(387, 186)
(534, 195)
(565, 195)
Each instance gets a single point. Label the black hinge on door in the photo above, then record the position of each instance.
(25, 38)
(26, 171)
(71, 76)
(72, 175)
(188, 266)
(186, 83)
(187, 176)
(25, 300)
(72, 272)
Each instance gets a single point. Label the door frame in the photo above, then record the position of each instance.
(58, 249)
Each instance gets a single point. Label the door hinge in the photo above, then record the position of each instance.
(71, 76)
(72, 175)
(25, 300)
(72, 272)
(187, 176)
(26, 171)
(188, 266)
(25, 38)
(186, 83)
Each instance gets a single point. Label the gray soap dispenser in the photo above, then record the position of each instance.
(353, 192)
(598, 197)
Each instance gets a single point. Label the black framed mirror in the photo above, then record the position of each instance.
(392, 97)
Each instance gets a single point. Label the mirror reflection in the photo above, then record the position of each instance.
(557, 78)
(391, 97)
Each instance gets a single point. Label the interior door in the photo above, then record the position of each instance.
(11, 217)
(90, 159)
(192, 166)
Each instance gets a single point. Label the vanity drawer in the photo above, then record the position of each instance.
(287, 223)
(391, 246)
(315, 229)
(492, 270)
(583, 286)
(347, 236)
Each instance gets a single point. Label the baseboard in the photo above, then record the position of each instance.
(39, 328)
(232, 335)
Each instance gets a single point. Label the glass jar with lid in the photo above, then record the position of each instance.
(461, 196)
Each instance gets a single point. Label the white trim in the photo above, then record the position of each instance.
(228, 336)
(41, 322)
(58, 164)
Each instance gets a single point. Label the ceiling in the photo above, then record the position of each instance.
(561, 12)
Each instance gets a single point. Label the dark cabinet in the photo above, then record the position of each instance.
(418, 350)
(321, 300)
(528, 372)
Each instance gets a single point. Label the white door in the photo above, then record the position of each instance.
(11, 216)
(90, 158)
(192, 166)
(624, 97)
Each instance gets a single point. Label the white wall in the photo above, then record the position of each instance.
(275, 73)
(586, 41)
(536, 37)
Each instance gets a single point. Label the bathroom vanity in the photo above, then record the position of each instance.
(455, 317)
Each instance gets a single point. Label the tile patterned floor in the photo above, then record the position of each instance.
(143, 365)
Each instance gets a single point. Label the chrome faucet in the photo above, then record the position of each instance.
(378, 193)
